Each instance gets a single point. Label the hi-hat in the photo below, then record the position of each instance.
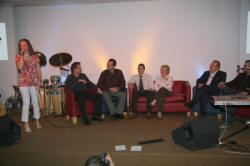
(42, 58)
(60, 59)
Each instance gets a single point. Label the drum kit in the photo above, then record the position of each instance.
(51, 94)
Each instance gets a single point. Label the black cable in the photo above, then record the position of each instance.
(55, 126)
(237, 147)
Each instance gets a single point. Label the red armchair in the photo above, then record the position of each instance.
(243, 111)
(72, 108)
(181, 94)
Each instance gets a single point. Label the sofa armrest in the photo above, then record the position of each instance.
(70, 98)
(131, 90)
(187, 91)
(69, 93)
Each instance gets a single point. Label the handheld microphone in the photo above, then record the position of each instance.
(238, 67)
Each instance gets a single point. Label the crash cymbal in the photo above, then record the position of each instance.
(60, 59)
(42, 58)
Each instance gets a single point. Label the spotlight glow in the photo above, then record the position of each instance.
(99, 54)
(143, 51)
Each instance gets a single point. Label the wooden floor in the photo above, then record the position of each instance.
(61, 143)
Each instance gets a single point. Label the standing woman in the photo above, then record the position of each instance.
(28, 66)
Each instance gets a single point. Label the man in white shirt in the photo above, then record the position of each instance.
(145, 87)
(163, 88)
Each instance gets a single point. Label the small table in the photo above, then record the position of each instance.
(227, 101)
(231, 100)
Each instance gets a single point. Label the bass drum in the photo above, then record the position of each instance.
(44, 100)
(58, 100)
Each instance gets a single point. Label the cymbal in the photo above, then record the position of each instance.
(42, 58)
(60, 59)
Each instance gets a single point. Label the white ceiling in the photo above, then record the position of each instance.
(55, 2)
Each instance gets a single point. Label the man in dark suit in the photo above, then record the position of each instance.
(79, 83)
(240, 85)
(208, 85)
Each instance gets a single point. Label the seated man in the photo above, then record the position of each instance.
(145, 86)
(79, 83)
(112, 82)
(240, 85)
(163, 88)
(208, 85)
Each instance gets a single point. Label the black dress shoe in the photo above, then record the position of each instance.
(189, 104)
(114, 117)
(96, 118)
(86, 121)
(120, 116)
(202, 114)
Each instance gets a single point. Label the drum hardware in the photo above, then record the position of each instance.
(42, 58)
(58, 100)
(52, 97)
(60, 59)
(14, 103)
(45, 100)
(55, 80)
(64, 72)
(64, 69)
(52, 100)
(45, 82)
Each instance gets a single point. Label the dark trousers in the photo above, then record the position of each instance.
(83, 96)
(203, 95)
(149, 95)
(160, 96)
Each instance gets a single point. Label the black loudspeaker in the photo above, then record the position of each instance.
(197, 134)
(9, 131)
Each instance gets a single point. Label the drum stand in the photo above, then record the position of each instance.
(53, 111)
(223, 138)
(45, 109)
(246, 126)
(62, 105)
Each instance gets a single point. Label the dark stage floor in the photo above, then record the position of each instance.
(60, 143)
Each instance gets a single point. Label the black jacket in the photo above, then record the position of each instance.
(73, 84)
(220, 76)
(241, 82)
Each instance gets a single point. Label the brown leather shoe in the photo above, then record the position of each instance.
(149, 115)
(190, 118)
(132, 116)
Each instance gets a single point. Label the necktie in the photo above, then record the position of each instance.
(141, 89)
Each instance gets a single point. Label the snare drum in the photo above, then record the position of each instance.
(58, 100)
(44, 100)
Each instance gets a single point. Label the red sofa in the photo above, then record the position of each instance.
(243, 111)
(72, 108)
(181, 94)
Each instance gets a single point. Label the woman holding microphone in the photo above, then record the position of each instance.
(28, 66)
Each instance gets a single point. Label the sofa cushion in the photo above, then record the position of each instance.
(178, 87)
(178, 98)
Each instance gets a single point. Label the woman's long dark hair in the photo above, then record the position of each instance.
(31, 51)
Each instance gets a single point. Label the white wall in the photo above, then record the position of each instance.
(245, 7)
(8, 76)
(186, 34)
